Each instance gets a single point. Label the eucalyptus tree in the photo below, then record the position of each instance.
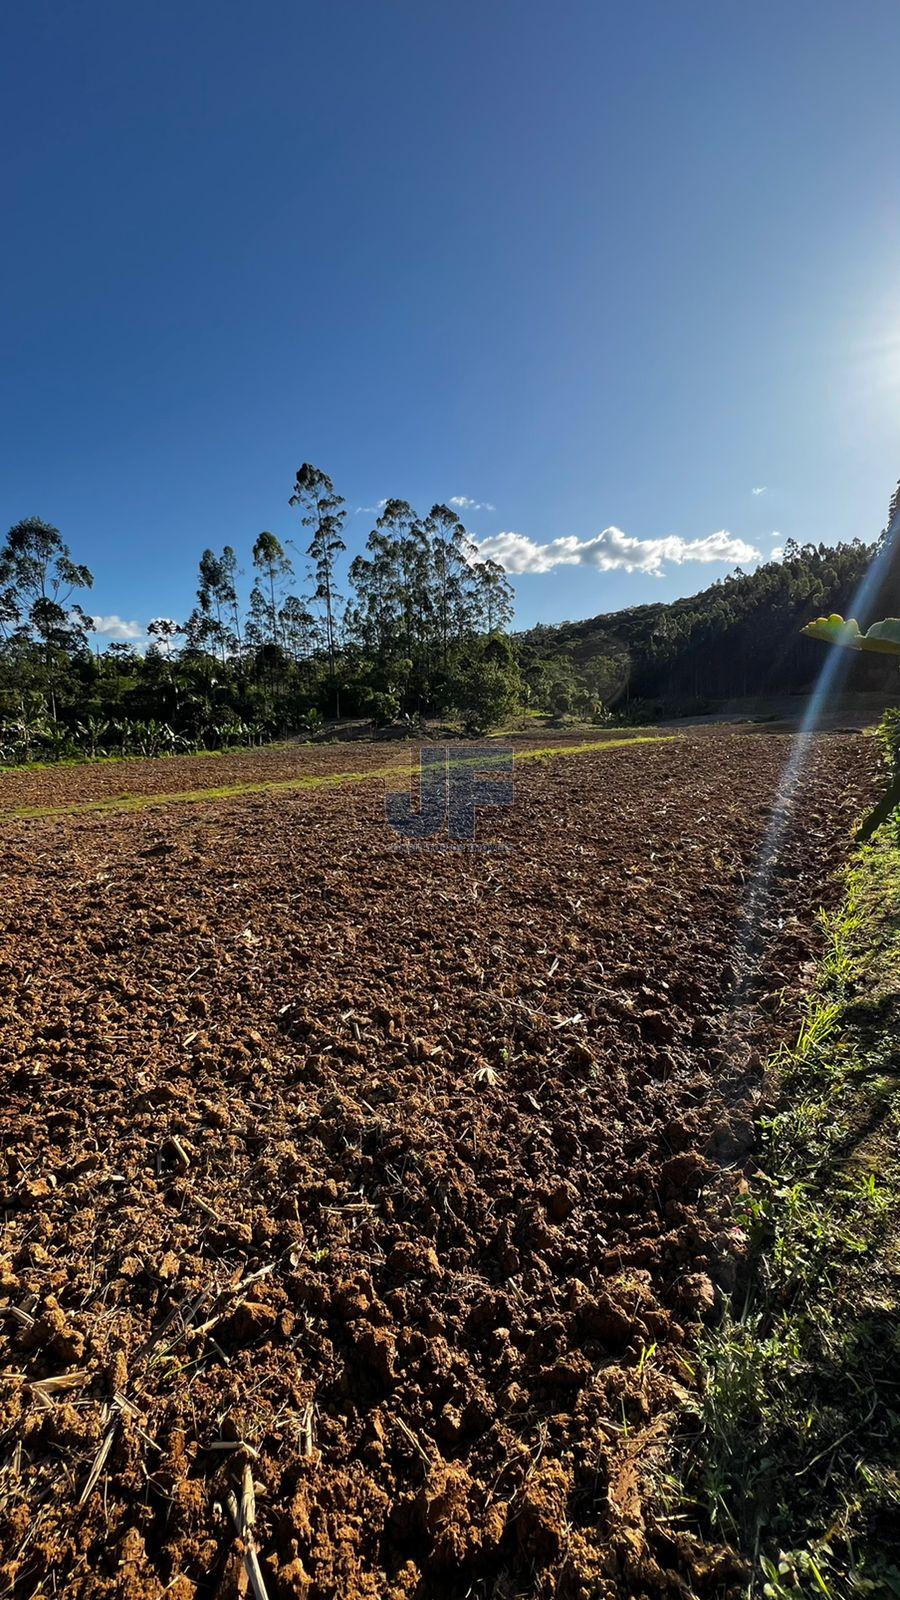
(493, 596)
(37, 581)
(230, 572)
(322, 510)
(371, 614)
(299, 630)
(413, 573)
(9, 608)
(215, 622)
(162, 630)
(451, 553)
(273, 571)
(390, 616)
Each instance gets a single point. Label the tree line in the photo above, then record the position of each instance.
(423, 633)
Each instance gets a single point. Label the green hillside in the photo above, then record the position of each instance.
(738, 637)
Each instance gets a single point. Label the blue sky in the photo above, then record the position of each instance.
(592, 266)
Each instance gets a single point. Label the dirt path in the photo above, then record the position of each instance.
(396, 1176)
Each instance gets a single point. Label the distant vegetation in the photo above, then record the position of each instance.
(423, 633)
(739, 637)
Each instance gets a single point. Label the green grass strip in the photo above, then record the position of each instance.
(332, 780)
(795, 1460)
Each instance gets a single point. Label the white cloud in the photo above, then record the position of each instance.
(761, 489)
(115, 627)
(613, 550)
(774, 534)
(463, 503)
(776, 554)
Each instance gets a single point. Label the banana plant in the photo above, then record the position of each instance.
(92, 732)
(883, 638)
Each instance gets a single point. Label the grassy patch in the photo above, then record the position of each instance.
(796, 1462)
(331, 780)
(547, 752)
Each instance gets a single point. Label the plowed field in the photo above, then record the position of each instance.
(387, 1188)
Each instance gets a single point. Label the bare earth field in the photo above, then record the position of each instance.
(100, 783)
(392, 1181)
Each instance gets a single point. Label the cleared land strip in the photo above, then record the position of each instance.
(331, 780)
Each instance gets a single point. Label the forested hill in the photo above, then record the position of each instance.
(738, 637)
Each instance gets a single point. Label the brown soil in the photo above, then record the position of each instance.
(49, 786)
(399, 1176)
(102, 780)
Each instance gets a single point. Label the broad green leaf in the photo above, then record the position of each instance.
(882, 637)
